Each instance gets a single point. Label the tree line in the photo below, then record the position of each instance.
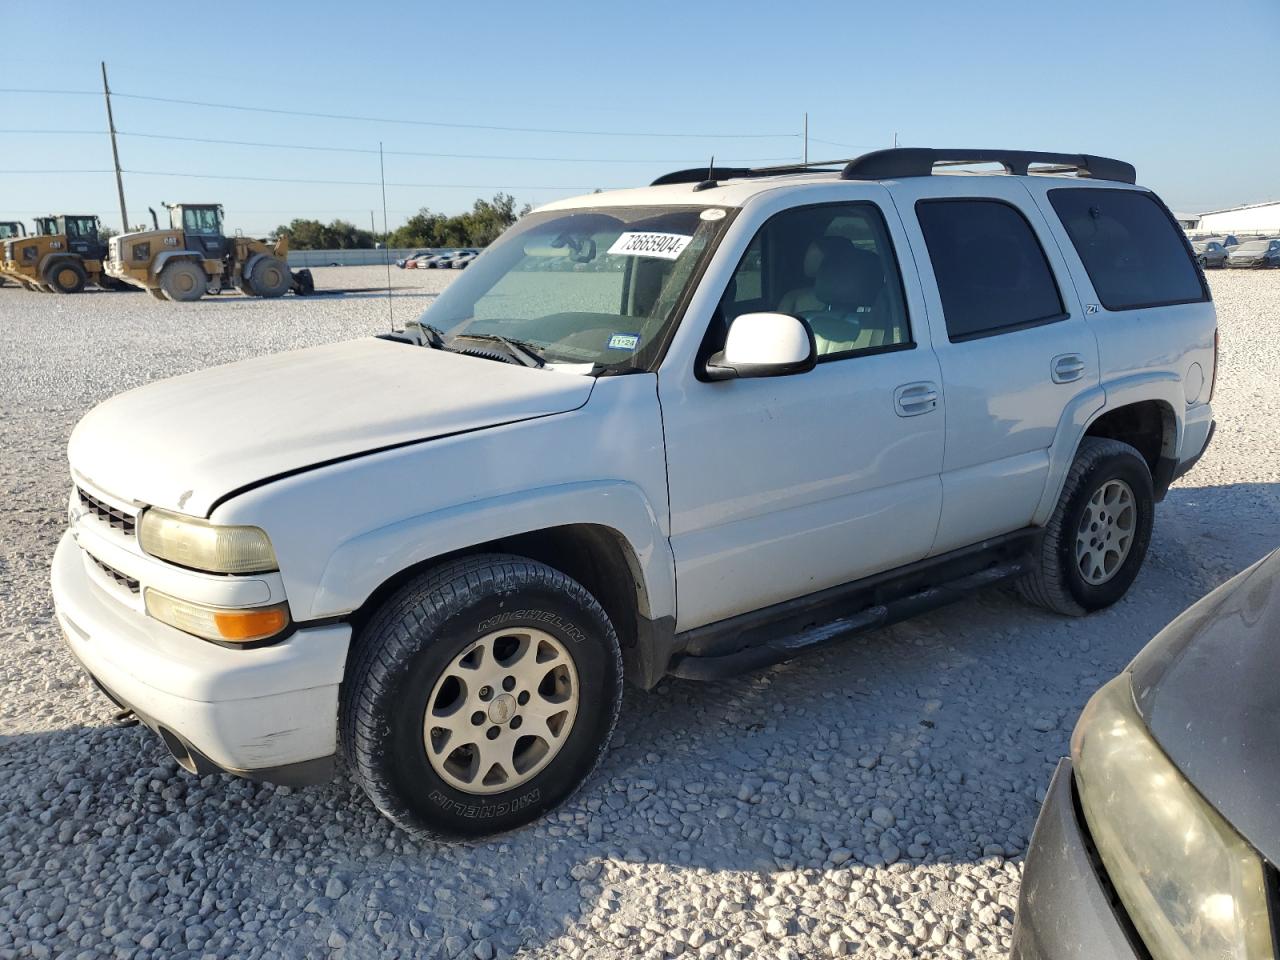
(478, 227)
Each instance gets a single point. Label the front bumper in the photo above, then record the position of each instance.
(269, 713)
(1064, 909)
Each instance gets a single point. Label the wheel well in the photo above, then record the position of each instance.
(1149, 427)
(598, 557)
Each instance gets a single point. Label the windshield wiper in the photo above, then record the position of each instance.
(521, 350)
(434, 336)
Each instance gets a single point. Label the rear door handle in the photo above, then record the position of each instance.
(913, 399)
(1067, 367)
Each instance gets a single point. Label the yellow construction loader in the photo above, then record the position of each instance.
(63, 256)
(195, 256)
(9, 230)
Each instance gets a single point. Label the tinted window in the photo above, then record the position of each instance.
(991, 270)
(1133, 251)
(834, 266)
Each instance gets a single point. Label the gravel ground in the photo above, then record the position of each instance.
(871, 801)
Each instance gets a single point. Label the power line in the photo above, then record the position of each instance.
(409, 122)
(308, 180)
(366, 150)
(836, 143)
(362, 183)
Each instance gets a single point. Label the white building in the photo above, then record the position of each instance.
(1250, 219)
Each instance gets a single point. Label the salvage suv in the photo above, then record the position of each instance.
(690, 430)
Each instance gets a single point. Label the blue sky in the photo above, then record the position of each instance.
(1178, 88)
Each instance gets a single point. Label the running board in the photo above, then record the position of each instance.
(789, 636)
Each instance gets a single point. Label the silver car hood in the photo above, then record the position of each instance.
(1208, 687)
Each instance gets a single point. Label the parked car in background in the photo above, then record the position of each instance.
(444, 261)
(1210, 253)
(463, 259)
(1255, 254)
(1230, 240)
(1163, 826)
(946, 382)
(411, 261)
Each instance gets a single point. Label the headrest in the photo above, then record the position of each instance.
(849, 277)
(817, 252)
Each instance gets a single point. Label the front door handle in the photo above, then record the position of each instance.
(1067, 367)
(913, 399)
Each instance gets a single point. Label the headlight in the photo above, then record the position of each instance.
(215, 623)
(1192, 887)
(201, 545)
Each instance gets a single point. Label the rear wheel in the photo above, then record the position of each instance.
(480, 696)
(270, 278)
(66, 276)
(183, 280)
(1097, 538)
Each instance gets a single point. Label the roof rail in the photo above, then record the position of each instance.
(920, 161)
(703, 174)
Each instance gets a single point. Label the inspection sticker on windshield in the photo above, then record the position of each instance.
(624, 341)
(664, 246)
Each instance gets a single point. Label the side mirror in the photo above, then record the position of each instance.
(764, 345)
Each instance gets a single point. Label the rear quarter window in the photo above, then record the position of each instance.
(993, 276)
(1131, 247)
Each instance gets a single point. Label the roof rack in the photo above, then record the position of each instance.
(918, 162)
(712, 173)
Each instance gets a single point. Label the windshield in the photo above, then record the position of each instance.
(203, 221)
(8, 230)
(587, 286)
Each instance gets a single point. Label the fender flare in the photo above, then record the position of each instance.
(246, 272)
(1161, 386)
(49, 259)
(162, 258)
(359, 566)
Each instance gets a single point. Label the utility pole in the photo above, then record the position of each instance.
(806, 136)
(115, 150)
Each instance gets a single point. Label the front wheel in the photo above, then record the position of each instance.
(183, 281)
(270, 278)
(1097, 538)
(66, 276)
(480, 696)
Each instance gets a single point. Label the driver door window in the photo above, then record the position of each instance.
(832, 265)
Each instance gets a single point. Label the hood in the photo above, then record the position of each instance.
(187, 442)
(1206, 687)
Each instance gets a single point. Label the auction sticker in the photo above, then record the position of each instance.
(624, 341)
(664, 246)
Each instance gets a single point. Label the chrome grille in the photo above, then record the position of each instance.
(125, 522)
(125, 581)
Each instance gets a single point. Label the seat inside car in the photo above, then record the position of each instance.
(851, 312)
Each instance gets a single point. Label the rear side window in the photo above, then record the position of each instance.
(992, 273)
(1132, 249)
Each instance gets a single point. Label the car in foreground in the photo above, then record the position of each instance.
(1209, 253)
(1160, 836)
(1255, 254)
(807, 402)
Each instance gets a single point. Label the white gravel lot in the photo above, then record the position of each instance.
(872, 801)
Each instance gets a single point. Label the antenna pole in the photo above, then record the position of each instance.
(806, 136)
(115, 151)
(386, 252)
(895, 139)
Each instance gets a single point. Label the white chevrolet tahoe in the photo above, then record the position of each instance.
(690, 429)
